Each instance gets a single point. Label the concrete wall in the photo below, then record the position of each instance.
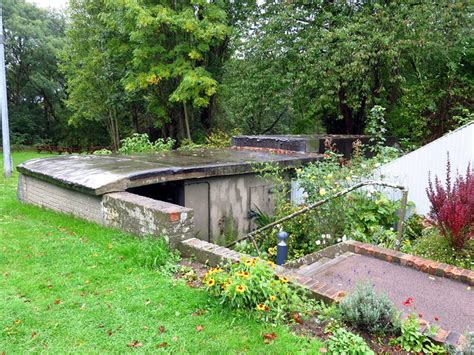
(412, 169)
(122, 210)
(229, 202)
(145, 216)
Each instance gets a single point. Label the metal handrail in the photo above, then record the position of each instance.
(312, 206)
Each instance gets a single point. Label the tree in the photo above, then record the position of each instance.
(333, 61)
(33, 38)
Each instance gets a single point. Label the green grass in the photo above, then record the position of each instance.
(67, 285)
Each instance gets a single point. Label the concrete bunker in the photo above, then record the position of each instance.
(203, 193)
(210, 194)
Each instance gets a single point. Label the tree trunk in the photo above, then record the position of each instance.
(186, 121)
(346, 111)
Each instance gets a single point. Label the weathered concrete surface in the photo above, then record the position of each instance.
(449, 301)
(223, 205)
(304, 143)
(98, 175)
(145, 216)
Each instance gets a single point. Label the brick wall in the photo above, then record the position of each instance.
(43, 194)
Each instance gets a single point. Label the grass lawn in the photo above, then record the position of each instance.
(67, 285)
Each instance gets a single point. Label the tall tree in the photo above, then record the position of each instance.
(33, 38)
(335, 60)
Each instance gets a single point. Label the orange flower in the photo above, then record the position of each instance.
(240, 289)
(211, 282)
(260, 307)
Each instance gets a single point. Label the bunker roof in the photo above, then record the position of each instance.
(100, 174)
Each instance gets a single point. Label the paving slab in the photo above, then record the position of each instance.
(100, 174)
(449, 301)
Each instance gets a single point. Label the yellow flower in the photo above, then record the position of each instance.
(260, 307)
(273, 298)
(250, 262)
(284, 280)
(211, 282)
(322, 191)
(240, 289)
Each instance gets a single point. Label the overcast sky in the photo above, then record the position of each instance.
(55, 4)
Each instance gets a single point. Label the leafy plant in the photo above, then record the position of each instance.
(140, 143)
(252, 285)
(367, 310)
(452, 207)
(412, 340)
(413, 227)
(432, 245)
(102, 152)
(345, 342)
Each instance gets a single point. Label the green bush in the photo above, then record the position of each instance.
(345, 342)
(412, 340)
(432, 245)
(252, 285)
(140, 143)
(368, 311)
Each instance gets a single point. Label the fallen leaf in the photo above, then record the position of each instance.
(110, 333)
(297, 318)
(269, 337)
(147, 302)
(162, 329)
(199, 328)
(135, 344)
(175, 338)
(101, 325)
(145, 327)
(34, 335)
(162, 345)
(58, 301)
(323, 350)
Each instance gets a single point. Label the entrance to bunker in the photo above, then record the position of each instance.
(170, 191)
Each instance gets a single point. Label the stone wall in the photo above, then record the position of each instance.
(122, 210)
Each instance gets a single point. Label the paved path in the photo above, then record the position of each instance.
(449, 301)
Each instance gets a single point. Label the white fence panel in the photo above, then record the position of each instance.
(412, 169)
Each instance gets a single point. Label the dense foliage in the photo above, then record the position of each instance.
(251, 284)
(327, 63)
(183, 69)
(366, 214)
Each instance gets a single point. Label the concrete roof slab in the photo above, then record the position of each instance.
(100, 174)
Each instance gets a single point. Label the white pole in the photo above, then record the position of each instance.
(7, 161)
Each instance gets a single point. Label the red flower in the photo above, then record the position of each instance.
(436, 319)
(420, 315)
(408, 301)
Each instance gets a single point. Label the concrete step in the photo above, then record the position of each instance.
(322, 264)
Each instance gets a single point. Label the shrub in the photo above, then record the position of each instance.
(369, 311)
(345, 342)
(252, 285)
(140, 143)
(452, 207)
(432, 245)
(412, 340)
(102, 152)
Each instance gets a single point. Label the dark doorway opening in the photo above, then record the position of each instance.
(170, 191)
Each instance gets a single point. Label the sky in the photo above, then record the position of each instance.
(55, 4)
